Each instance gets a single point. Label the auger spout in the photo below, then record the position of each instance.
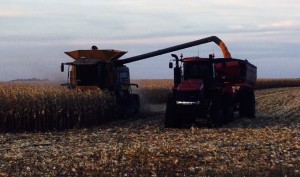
(214, 39)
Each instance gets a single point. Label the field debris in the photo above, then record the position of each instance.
(268, 145)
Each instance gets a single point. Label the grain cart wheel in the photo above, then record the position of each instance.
(216, 112)
(242, 103)
(170, 119)
(228, 113)
(247, 103)
(250, 113)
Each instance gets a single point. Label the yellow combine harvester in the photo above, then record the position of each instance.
(93, 69)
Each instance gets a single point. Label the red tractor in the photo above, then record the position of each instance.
(210, 88)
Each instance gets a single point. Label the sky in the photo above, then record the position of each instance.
(35, 34)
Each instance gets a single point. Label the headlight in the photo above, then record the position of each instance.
(188, 102)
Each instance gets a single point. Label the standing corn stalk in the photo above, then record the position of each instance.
(41, 108)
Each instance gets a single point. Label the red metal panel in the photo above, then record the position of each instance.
(190, 85)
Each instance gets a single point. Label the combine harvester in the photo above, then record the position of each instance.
(207, 88)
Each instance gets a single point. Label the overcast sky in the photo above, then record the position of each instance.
(34, 34)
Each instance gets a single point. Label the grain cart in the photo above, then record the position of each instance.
(98, 68)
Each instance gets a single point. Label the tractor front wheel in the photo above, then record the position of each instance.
(170, 117)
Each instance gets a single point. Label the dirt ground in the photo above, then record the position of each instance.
(268, 145)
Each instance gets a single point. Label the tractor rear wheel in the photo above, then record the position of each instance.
(216, 111)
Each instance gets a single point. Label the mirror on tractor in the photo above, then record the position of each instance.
(170, 65)
(62, 68)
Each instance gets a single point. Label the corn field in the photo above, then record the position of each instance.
(277, 83)
(268, 145)
(28, 107)
(42, 108)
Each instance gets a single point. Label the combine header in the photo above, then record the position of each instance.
(203, 87)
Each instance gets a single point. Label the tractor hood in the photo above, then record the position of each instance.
(190, 85)
(96, 54)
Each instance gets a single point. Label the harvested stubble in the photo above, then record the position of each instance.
(268, 145)
(265, 146)
(42, 108)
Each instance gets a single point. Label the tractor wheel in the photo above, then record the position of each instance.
(247, 103)
(216, 112)
(170, 117)
(228, 111)
(184, 116)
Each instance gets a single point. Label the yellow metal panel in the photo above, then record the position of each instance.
(96, 54)
(73, 76)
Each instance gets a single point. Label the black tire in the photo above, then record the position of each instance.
(170, 117)
(184, 117)
(216, 111)
(251, 104)
(228, 110)
(136, 103)
(247, 103)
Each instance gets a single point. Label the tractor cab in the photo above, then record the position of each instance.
(199, 69)
(193, 73)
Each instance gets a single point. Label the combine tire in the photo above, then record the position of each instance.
(136, 103)
(247, 103)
